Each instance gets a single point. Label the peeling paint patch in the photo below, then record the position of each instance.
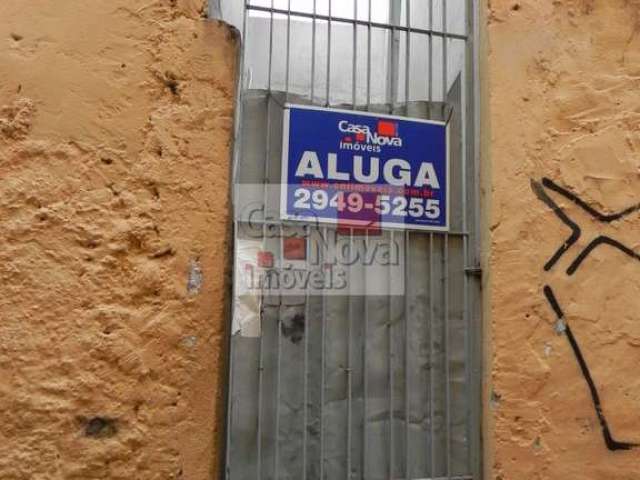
(194, 283)
(495, 400)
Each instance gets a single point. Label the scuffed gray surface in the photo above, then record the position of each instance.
(424, 425)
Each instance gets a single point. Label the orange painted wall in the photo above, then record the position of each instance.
(562, 104)
(115, 129)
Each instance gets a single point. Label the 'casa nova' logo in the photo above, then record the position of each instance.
(386, 133)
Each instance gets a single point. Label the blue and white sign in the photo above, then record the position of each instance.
(361, 169)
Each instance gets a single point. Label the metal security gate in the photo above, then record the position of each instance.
(380, 379)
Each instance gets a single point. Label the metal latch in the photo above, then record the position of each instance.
(474, 271)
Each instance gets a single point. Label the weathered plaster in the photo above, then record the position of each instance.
(115, 127)
(564, 80)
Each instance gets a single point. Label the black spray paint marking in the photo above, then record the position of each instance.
(539, 190)
(612, 444)
(575, 229)
(602, 239)
(551, 185)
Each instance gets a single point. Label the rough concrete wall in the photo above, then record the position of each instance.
(564, 105)
(115, 126)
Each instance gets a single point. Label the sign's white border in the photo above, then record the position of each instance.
(284, 186)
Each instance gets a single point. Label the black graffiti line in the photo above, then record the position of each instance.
(541, 194)
(575, 229)
(607, 218)
(601, 240)
(610, 442)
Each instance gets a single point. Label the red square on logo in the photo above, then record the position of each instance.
(265, 259)
(360, 137)
(294, 248)
(387, 128)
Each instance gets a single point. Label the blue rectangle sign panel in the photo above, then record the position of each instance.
(358, 169)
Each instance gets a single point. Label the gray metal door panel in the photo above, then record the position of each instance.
(374, 385)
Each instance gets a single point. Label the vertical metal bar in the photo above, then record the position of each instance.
(446, 349)
(278, 325)
(390, 367)
(270, 47)
(365, 360)
(288, 59)
(475, 323)
(466, 317)
(305, 362)
(230, 400)
(431, 439)
(349, 368)
(465, 241)
(323, 327)
(432, 390)
(329, 28)
(445, 80)
(260, 386)
(407, 263)
(471, 125)
(355, 55)
(279, 319)
(407, 73)
(407, 364)
(369, 60)
(264, 235)
(281, 239)
(430, 59)
(365, 343)
(395, 7)
(446, 353)
(240, 86)
(313, 51)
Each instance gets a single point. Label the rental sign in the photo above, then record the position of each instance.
(364, 170)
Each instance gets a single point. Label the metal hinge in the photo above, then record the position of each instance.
(475, 271)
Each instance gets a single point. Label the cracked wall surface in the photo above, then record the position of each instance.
(564, 78)
(115, 128)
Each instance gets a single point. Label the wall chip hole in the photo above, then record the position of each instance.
(171, 82)
(100, 427)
